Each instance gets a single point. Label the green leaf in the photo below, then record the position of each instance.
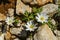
(37, 10)
(50, 24)
(40, 9)
(34, 9)
(26, 14)
(24, 19)
(31, 16)
(16, 21)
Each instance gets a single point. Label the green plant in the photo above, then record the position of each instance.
(31, 16)
(50, 24)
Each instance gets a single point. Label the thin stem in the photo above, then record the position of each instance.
(31, 37)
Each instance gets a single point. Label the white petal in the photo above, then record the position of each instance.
(28, 24)
(27, 29)
(38, 14)
(35, 27)
(37, 17)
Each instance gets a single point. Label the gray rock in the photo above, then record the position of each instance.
(57, 1)
(16, 30)
(57, 33)
(50, 9)
(44, 33)
(53, 22)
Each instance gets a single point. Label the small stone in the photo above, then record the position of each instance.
(27, 1)
(16, 39)
(57, 32)
(10, 12)
(42, 2)
(2, 17)
(21, 7)
(16, 31)
(53, 22)
(8, 36)
(0, 23)
(29, 38)
(33, 2)
(13, 36)
(19, 24)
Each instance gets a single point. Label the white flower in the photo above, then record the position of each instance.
(42, 17)
(9, 20)
(30, 26)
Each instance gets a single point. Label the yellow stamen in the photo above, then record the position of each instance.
(42, 18)
(31, 26)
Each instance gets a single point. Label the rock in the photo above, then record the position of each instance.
(2, 17)
(53, 22)
(8, 36)
(29, 38)
(27, 1)
(13, 36)
(10, 12)
(33, 2)
(2, 37)
(44, 33)
(42, 2)
(21, 7)
(57, 1)
(57, 32)
(16, 39)
(50, 9)
(16, 31)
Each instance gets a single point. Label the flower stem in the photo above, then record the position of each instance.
(31, 37)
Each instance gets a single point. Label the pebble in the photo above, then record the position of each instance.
(27, 1)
